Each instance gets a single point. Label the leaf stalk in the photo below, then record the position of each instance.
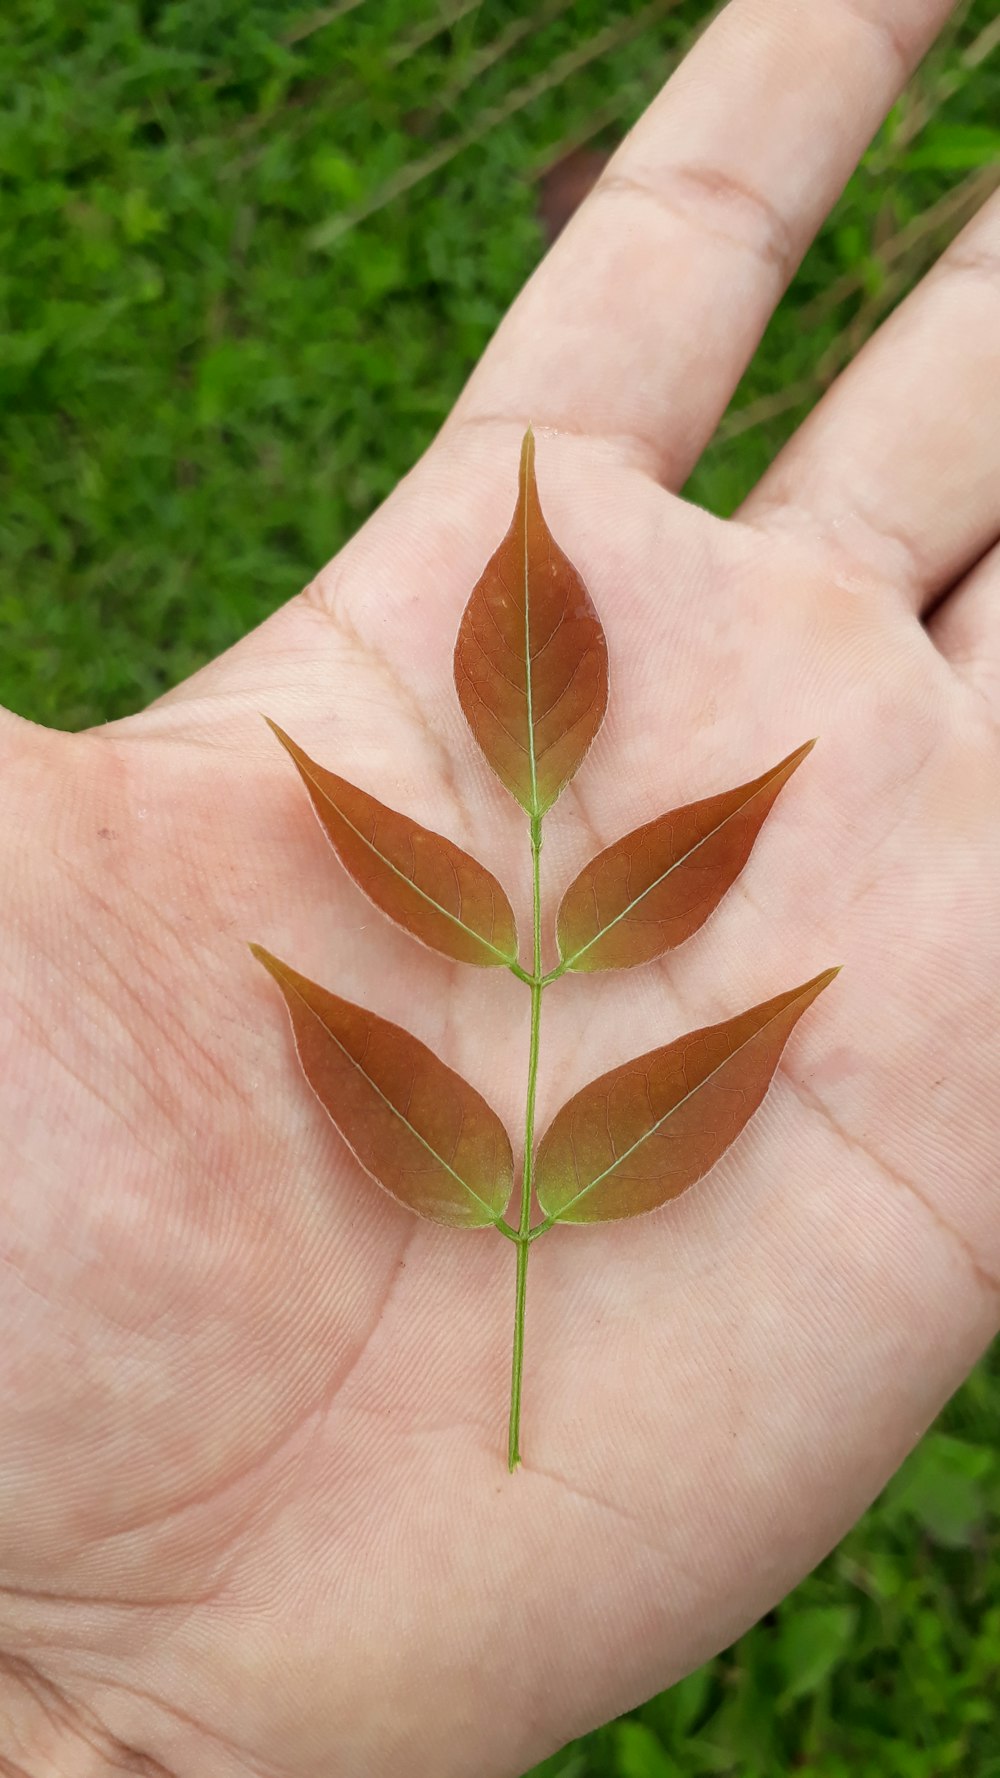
(524, 1235)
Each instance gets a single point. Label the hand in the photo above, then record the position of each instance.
(255, 1512)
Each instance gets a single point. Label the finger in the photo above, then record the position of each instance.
(966, 629)
(898, 467)
(639, 324)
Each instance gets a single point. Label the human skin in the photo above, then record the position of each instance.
(255, 1516)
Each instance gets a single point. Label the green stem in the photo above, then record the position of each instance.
(517, 1366)
(524, 1227)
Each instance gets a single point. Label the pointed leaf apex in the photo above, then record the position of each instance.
(420, 879)
(531, 666)
(800, 752)
(527, 483)
(653, 888)
(644, 1132)
(286, 740)
(791, 762)
(805, 993)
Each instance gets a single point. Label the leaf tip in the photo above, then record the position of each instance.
(793, 760)
(275, 729)
(527, 454)
(821, 981)
(265, 957)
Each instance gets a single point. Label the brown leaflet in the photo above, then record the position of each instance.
(532, 679)
(415, 1125)
(421, 880)
(650, 890)
(531, 661)
(641, 1134)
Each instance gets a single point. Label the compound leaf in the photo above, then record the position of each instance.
(421, 880)
(531, 660)
(641, 1134)
(415, 1125)
(650, 890)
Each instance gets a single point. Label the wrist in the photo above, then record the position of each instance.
(44, 1730)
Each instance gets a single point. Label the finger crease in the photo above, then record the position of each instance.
(684, 191)
(882, 25)
(642, 454)
(975, 262)
(878, 550)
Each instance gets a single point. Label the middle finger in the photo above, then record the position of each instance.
(639, 324)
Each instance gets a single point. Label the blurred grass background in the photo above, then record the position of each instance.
(248, 254)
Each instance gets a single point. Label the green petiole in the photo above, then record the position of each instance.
(525, 1235)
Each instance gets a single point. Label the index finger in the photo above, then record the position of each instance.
(638, 325)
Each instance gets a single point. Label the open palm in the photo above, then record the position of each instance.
(254, 1510)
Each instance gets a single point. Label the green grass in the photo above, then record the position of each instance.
(248, 253)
